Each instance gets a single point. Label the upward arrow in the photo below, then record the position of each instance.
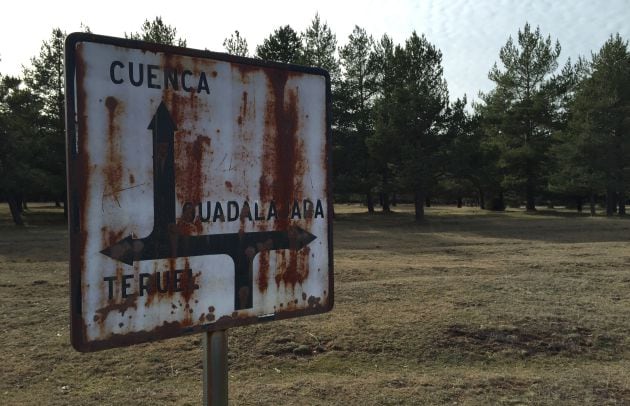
(163, 128)
(162, 124)
(164, 241)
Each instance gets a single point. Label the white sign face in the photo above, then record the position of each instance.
(199, 191)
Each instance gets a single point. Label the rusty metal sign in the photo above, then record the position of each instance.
(199, 191)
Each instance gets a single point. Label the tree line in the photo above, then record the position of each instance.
(544, 134)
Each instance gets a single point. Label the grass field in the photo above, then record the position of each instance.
(470, 307)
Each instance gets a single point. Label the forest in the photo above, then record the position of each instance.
(544, 135)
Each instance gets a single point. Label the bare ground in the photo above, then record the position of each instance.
(469, 307)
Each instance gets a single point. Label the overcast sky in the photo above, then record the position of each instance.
(469, 32)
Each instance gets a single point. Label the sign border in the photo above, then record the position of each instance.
(74, 177)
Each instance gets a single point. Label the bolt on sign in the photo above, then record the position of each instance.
(199, 191)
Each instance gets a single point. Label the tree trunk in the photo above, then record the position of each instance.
(611, 201)
(459, 202)
(497, 203)
(419, 205)
(530, 204)
(530, 190)
(19, 198)
(16, 214)
(482, 200)
(578, 204)
(394, 200)
(591, 202)
(385, 200)
(622, 203)
(427, 201)
(370, 201)
(24, 205)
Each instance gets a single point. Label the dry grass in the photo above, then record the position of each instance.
(470, 307)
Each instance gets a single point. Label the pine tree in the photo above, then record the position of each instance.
(354, 170)
(572, 173)
(600, 122)
(410, 126)
(158, 32)
(320, 49)
(20, 147)
(236, 45)
(521, 107)
(45, 79)
(284, 46)
(382, 146)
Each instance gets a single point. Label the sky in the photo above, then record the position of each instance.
(469, 33)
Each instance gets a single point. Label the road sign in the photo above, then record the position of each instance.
(199, 191)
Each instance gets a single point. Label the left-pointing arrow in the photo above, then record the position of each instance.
(122, 250)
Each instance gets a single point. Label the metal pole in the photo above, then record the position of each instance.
(215, 368)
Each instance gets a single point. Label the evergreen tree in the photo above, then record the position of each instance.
(159, 32)
(521, 110)
(45, 78)
(410, 125)
(284, 45)
(462, 173)
(320, 48)
(353, 166)
(422, 104)
(382, 148)
(599, 137)
(572, 173)
(19, 146)
(236, 45)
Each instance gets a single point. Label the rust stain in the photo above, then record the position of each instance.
(314, 301)
(163, 285)
(263, 271)
(113, 168)
(283, 169)
(243, 113)
(210, 316)
(129, 302)
(281, 145)
(188, 283)
(186, 110)
(190, 177)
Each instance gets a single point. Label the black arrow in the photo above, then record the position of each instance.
(163, 128)
(164, 241)
(241, 247)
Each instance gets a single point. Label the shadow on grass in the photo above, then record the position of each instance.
(44, 237)
(556, 226)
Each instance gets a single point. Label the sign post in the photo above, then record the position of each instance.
(199, 192)
(215, 368)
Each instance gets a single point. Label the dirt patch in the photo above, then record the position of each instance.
(525, 340)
